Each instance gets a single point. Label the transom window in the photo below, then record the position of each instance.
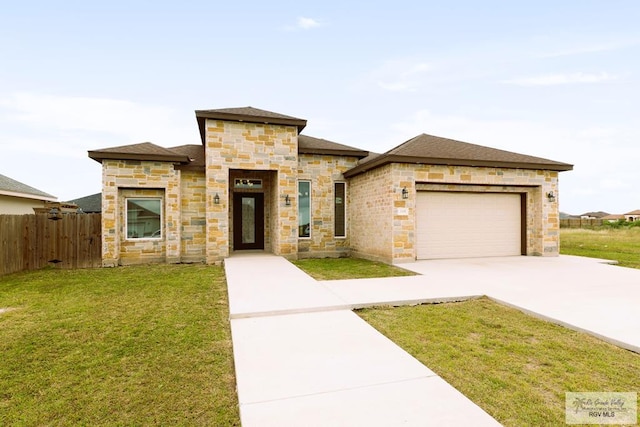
(144, 218)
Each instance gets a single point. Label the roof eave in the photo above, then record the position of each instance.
(28, 196)
(99, 156)
(323, 151)
(382, 160)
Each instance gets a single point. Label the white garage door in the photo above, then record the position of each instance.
(467, 225)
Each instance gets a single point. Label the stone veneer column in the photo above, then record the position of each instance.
(251, 146)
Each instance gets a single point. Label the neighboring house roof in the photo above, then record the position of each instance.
(435, 150)
(247, 114)
(613, 217)
(89, 204)
(310, 145)
(11, 187)
(142, 151)
(636, 212)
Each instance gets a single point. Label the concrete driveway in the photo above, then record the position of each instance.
(585, 294)
(303, 358)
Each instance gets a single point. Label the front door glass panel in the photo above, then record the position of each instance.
(248, 220)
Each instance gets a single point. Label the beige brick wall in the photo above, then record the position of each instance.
(380, 191)
(323, 172)
(371, 201)
(193, 216)
(122, 179)
(251, 146)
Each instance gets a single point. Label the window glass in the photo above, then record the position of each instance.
(304, 209)
(144, 219)
(340, 202)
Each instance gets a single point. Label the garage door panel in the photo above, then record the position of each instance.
(463, 225)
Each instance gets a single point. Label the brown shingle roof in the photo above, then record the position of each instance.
(310, 145)
(142, 151)
(195, 154)
(429, 149)
(636, 212)
(246, 114)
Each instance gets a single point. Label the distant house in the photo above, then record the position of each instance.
(593, 215)
(17, 198)
(613, 218)
(89, 204)
(633, 215)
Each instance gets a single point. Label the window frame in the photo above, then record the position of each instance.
(160, 215)
(308, 181)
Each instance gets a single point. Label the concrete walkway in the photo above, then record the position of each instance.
(303, 358)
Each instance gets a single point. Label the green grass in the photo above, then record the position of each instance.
(124, 346)
(622, 245)
(348, 268)
(516, 367)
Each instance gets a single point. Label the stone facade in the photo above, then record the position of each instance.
(198, 187)
(379, 192)
(123, 179)
(251, 147)
(323, 172)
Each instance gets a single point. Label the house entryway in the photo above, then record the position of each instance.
(248, 221)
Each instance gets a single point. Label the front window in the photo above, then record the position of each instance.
(339, 207)
(304, 209)
(144, 218)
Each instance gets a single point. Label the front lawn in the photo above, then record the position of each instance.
(123, 346)
(618, 244)
(516, 367)
(348, 268)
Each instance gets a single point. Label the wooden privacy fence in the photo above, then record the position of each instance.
(580, 223)
(30, 242)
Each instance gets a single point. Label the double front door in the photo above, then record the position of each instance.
(248, 221)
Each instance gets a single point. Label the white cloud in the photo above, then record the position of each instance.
(304, 23)
(561, 79)
(95, 119)
(592, 48)
(45, 138)
(307, 23)
(400, 75)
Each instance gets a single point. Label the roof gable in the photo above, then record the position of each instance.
(11, 187)
(247, 114)
(429, 149)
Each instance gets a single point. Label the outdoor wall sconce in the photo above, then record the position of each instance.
(405, 193)
(216, 199)
(287, 201)
(54, 214)
(551, 197)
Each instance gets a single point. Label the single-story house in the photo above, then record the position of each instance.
(633, 215)
(17, 198)
(613, 218)
(256, 183)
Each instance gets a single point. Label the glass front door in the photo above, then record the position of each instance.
(248, 221)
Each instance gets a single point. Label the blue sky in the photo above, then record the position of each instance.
(554, 79)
